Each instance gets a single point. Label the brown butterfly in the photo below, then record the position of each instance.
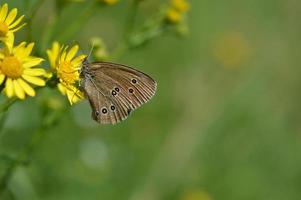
(114, 90)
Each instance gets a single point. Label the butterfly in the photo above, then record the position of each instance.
(114, 90)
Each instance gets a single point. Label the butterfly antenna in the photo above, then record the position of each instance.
(91, 50)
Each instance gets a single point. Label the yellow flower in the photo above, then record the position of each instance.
(8, 24)
(173, 15)
(53, 54)
(195, 195)
(110, 2)
(180, 5)
(66, 66)
(176, 10)
(17, 70)
(232, 50)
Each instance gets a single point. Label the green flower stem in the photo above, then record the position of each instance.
(131, 19)
(7, 104)
(31, 16)
(47, 34)
(128, 30)
(2, 122)
(70, 28)
(78, 23)
(22, 158)
(133, 37)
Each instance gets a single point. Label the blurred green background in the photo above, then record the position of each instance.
(224, 124)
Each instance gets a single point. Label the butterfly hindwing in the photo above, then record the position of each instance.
(100, 103)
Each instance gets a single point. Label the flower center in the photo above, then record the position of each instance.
(3, 29)
(11, 67)
(67, 73)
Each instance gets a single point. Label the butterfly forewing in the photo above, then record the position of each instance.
(115, 90)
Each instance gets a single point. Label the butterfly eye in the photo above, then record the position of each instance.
(104, 111)
(114, 92)
(134, 81)
(117, 89)
(96, 112)
(113, 108)
(131, 90)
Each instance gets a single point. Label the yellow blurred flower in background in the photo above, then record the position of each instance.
(17, 69)
(99, 51)
(66, 66)
(109, 2)
(173, 15)
(195, 195)
(180, 5)
(9, 24)
(231, 50)
(176, 10)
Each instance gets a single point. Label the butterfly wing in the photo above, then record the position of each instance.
(101, 104)
(115, 90)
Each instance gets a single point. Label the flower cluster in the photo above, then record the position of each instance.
(65, 65)
(18, 71)
(176, 10)
(21, 73)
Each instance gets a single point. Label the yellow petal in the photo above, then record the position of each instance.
(9, 88)
(52, 59)
(48, 75)
(27, 88)
(3, 12)
(78, 60)
(34, 72)
(18, 28)
(70, 96)
(34, 80)
(19, 50)
(2, 77)
(16, 22)
(53, 54)
(49, 54)
(18, 90)
(9, 42)
(28, 49)
(1, 55)
(11, 16)
(62, 88)
(21, 45)
(73, 96)
(63, 57)
(56, 47)
(72, 53)
(32, 62)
